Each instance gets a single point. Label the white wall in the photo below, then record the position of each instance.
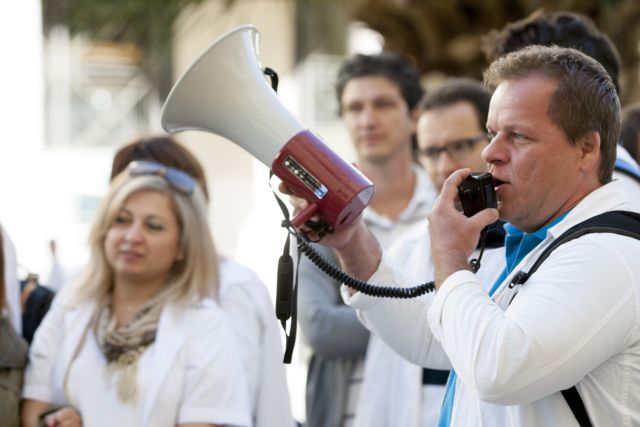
(244, 215)
(22, 162)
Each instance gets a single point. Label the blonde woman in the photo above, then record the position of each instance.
(242, 296)
(135, 341)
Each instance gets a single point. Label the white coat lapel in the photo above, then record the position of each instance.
(172, 328)
(77, 321)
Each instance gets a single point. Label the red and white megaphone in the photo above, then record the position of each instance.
(225, 92)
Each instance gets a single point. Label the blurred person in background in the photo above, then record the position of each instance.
(242, 295)
(378, 98)
(136, 340)
(35, 301)
(452, 128)
(11, 309)
(451, 135)
(13, 348)
(630, 133)
(569, 29)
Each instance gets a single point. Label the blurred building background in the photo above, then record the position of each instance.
(82, 77)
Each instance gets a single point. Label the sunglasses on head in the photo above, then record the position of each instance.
(178, 179)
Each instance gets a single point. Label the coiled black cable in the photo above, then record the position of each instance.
(322, 228)
(360, 285)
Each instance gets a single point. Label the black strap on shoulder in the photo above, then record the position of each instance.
(286, 303)
(573, 399)
(617, 222)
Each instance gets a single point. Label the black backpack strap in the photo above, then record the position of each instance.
(617, 222)
(576, 405)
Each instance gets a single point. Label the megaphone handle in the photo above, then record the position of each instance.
(304, 215)
(273, 76)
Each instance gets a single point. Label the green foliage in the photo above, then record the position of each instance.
(146, 23)
(440, 35)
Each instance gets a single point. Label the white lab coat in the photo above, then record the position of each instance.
(576, 321)
(194, 361)
(245, 300)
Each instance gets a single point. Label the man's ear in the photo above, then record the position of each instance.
(589, 145)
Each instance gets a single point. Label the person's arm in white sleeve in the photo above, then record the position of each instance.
(572, 314)
(38, 382)
(238, 304)
(331, 328)
(245, 300)
(215, 387)
(401, 323)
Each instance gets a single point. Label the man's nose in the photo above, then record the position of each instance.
(494, 151)
(368, 116)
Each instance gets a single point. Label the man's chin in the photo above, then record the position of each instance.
(376, 158)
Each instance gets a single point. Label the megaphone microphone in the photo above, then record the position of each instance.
(225, 92)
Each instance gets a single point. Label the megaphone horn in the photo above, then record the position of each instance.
(225, 92)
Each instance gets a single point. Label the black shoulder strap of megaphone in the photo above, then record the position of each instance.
(287, 288)
(617, 222)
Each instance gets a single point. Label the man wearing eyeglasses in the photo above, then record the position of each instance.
(451, 131)
(450, 136)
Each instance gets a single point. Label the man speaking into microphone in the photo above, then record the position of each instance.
(553, 123)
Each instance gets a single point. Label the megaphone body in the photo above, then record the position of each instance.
(225, 92)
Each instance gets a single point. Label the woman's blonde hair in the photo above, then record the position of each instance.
(191, 278)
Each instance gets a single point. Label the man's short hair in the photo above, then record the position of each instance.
(386, 64)
(456, 90)
(585, 98)
(561, 28)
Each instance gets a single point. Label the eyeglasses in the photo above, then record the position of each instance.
(175, 177)
(459, 149)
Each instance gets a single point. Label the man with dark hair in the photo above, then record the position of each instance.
(568, 29)
(451, 136)
(387, 65)
(451, 128)
(561, 28)
(554, 122)
(378, 96)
